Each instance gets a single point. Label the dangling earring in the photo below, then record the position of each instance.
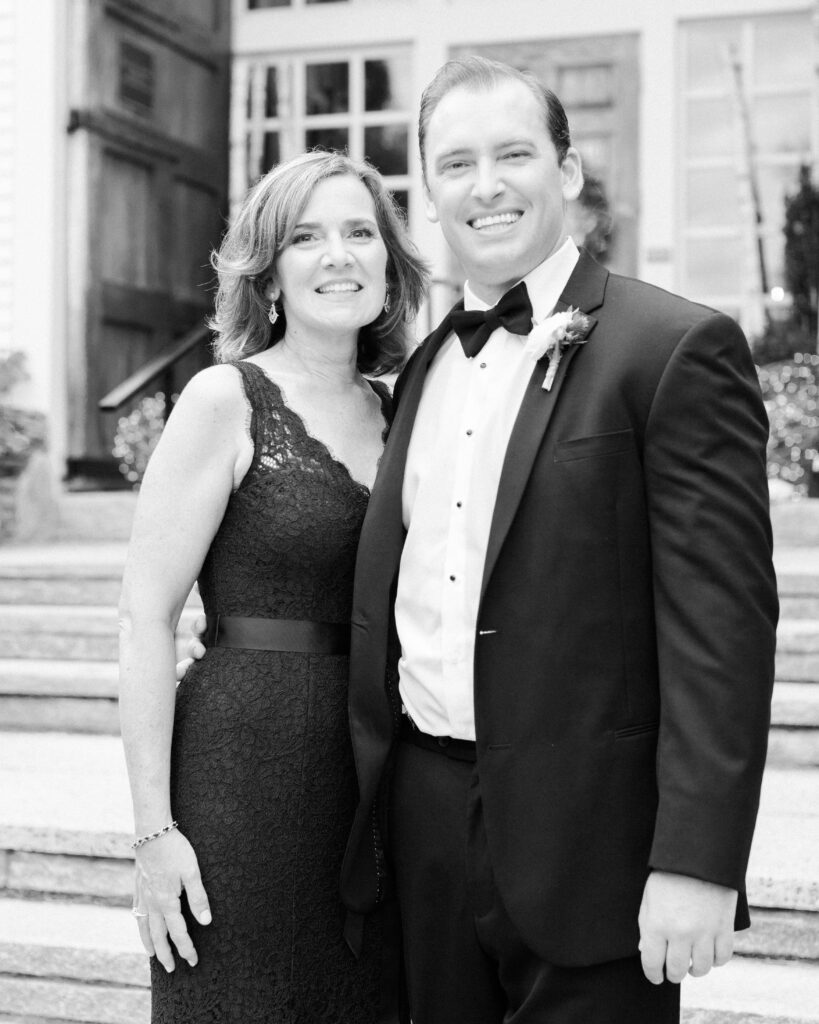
(387, 302)
(273, 313)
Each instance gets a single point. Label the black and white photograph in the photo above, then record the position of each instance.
(409, 512)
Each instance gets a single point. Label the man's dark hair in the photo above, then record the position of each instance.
(481, 73)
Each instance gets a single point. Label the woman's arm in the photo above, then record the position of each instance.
(202, 455)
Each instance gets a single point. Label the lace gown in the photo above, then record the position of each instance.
(262, 776)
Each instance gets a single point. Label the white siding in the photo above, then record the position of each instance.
(7, 162)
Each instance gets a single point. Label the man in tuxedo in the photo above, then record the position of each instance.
(565, 611)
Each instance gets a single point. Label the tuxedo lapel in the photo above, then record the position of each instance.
(584, 290)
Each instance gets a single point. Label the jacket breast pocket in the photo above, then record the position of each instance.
(593, 447)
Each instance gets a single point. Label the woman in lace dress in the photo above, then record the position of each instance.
(242, 779)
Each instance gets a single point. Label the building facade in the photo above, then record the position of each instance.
(694, 114)
(113, 190)
(693, 118)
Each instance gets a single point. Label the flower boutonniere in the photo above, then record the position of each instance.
(553, 336)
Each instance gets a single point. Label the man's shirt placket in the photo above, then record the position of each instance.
(457, 586)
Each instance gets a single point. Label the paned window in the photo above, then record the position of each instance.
(750, 117)
(359, 104)
(589, 85)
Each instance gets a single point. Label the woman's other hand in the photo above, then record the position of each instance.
(164, 867)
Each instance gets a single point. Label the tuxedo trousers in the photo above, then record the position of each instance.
(464, 961)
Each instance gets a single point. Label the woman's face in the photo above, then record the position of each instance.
(332, 271)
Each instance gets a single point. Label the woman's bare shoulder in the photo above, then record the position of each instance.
(218, 388)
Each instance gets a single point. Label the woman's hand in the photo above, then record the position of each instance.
(164, 867)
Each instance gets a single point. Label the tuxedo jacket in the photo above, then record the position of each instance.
(624, 651)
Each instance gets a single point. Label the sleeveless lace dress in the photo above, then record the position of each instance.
(262, 777)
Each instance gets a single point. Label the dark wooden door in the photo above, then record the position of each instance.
(148, 183)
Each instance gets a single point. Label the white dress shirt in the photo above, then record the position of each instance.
(467, 410)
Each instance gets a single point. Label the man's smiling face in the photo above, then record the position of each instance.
(494, 183)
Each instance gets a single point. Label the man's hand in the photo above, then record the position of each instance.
(196, 649)
(686, 926)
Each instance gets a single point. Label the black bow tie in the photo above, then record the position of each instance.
(473, 326)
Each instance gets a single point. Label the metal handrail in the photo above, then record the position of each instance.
(139, 379)
(155, 367)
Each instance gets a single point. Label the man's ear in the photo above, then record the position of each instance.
(571, 171)
(429, 206)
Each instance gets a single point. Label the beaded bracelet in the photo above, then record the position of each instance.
(141, 840)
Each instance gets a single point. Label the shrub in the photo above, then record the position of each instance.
(791, 394)
(137, 435)
(783, 340)
(21, 430)
(802, 251)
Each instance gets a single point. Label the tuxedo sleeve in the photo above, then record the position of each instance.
(715, 601)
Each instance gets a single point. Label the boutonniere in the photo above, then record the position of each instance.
(553, 336)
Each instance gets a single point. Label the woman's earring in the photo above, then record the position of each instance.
(273, 313)
(387, 302)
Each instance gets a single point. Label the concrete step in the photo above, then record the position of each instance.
(46, 927)
(66, 797)
(753, 992)
(793, 748)
(73, 696)
(797, 654)
(795, 705)
(795, 527)
(62, 695)
(95, 880)
(798, 595)
(84, 865)
(63, 714)
(60, 961)
(65, 822)
(100, 557)
(799, 606)
(64, 803)
(101, 515)
(61, 586)
(797, 668)
(62, 573)
(798, 636)
(782, 888)
(783, 872)
(64, 793)
(56, 585)
(59, 631)
(66, 1002)
(781, 935)
(51, 632)
(805, 583)
(34, 677)
(65, 819)
(794, 737)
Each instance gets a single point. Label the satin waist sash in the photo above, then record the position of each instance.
(257, 634)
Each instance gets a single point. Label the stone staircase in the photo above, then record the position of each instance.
(69, 950)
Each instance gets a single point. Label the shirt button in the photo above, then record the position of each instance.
(469, 433)
(458, 504)
(452, 578)
(483, 366)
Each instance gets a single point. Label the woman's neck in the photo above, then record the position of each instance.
(327, 362)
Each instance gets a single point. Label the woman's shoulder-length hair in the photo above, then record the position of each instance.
(263, 226)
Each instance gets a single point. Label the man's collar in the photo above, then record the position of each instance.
(544, 283)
